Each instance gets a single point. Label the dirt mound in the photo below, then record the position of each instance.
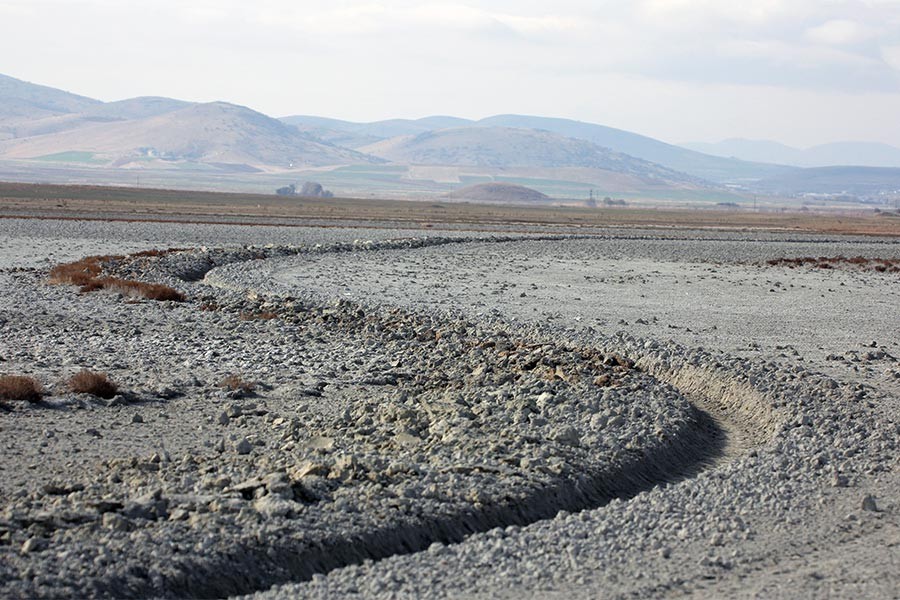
(499, 193)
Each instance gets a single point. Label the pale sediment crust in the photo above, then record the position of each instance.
(616, 415)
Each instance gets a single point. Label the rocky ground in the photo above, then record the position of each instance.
(623, 414)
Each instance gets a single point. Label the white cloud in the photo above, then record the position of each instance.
(699, 12)
(379, 17)
(891, 55)
(284, 56)
(839, 32)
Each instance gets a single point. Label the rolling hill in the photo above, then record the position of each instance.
(217, 133)
(46, 133)
(356, 135)
(498, 193)
(505, 147)
(853, 181)
(123, 110)
(713, 168)
(378, 130)
(22, 101)
(704, 166)
(862, 154)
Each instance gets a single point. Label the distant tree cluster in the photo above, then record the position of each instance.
(310, 189)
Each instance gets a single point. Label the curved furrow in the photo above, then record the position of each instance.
(421, 429)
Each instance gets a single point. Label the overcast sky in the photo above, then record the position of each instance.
(798, 71)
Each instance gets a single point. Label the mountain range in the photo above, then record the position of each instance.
(43, 129)
(697, 164)
(860, 154)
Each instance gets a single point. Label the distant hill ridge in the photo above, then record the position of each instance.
(23, 100)
(40, 123)
(33, 111)
(713, 168)
(515, 147)
(215, 133)
(862, 154)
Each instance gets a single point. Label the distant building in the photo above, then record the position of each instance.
(310, 189)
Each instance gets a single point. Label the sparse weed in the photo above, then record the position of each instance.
(155, 253)
(236, 383)
(85, 273)
(880, 265)
(151, 291)
(265, 315)
(91, 382)
(20, 387)
(80, 272)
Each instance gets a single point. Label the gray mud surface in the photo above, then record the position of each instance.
(626, 414)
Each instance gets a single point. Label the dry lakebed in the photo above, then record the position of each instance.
(378, 413)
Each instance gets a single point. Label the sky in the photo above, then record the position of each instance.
(802, 72)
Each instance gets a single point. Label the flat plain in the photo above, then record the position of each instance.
(435, 400)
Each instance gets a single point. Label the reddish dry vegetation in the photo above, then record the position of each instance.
(81, 272)
(20, 387)
(90, 382)
(236, 383)
(265, 315)
(154, 253)
(881, 265)
(85, 273)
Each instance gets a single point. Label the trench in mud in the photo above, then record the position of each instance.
(705, 444)
(729, 418)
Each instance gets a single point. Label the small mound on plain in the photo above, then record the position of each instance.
(499, 193)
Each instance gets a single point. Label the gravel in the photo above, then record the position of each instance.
(630, 414)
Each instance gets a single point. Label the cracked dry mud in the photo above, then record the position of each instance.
(624, 414)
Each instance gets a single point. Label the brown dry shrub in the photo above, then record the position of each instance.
(91, 382)
(154, 253)
(80, 272)
(151, 291)
(265, 315)
(20, 387)
(85, 273)
(236, 383)
(881, 265)
(92, 286)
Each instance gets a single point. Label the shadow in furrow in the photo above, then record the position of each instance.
(258, 566)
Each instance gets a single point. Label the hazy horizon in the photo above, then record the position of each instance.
(798, 72)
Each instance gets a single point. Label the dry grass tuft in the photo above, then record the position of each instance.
(85, 273)
(90, 382)
(20, 387)
(155, 253)
(80, 272)
(151, 291)
(265, 315)
(880, 265)
(235, 383)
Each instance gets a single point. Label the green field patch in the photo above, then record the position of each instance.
(72, 156)
(704, 196)
(473, 179)
(372, 169)
(194, 166)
